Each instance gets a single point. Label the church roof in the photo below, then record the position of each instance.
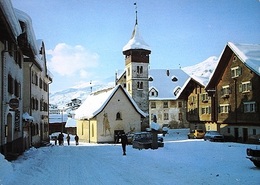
(97, 101)
(136, 41)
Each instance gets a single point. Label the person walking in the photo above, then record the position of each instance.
(68, 139)
(60, 138)
(77, 139)
(124, 142)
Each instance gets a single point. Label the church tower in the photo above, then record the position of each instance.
(137, 53)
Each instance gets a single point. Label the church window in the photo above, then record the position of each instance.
(140, 85)
(118, 116)
(153, 105)
(166, 116)
(139, 69)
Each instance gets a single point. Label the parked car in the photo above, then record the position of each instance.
(213, 136)
(143, 140)
(254, 156)
(196, 134)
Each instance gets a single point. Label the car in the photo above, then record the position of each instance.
(254, 156)
(196, 134)
(143, 140)
(213, 136)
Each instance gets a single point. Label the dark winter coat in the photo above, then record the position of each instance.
(124, 139)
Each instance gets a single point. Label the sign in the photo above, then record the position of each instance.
(14, 103)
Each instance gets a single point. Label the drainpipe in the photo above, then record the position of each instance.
(3, 130)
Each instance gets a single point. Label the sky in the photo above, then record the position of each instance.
(84, 38)
(181, 161)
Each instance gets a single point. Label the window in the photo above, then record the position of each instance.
(224, 108)
(204, 97)
(17, 87)
(139, 69)
(165, 104)
(180, 116)
(10, 84)
(236, 71)
(165, 116)
(153, 92)
(206, 110)
(245, 87)
(249, 107)
(139, 85)
(153, 105)
(118, 116)
(177, 91)
(225, 91)
(180, 104)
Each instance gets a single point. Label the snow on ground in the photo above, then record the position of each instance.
(180, 161)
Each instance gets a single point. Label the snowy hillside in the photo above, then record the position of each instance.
(61, 98)
(200, 72)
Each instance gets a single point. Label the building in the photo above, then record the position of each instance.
(234, 91)
(166, 105)
(104, 113)
(24, 84)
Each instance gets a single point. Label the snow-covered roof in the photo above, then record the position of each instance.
(249, 54)
(27, 117)
(169, 83)
(11, 17)
(71, 123)
(136, 41)
(22, 16)
(96, 102)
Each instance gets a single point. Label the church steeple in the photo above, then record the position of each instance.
(136, 41)
(137, 53)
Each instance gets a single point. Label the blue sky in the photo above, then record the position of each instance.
(84, 38)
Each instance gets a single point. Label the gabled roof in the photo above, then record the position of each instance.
(96, 102)
(167, 83)
(136, 41)
(249, 54)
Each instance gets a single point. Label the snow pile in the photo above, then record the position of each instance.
(5, 169)
(181, 161)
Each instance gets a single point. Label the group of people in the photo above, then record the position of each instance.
(61, 139)
(121, 138)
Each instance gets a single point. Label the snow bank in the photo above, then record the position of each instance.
(5, 169)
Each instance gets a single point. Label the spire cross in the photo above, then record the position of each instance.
(135, 13)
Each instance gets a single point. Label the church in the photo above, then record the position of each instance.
(141, 95)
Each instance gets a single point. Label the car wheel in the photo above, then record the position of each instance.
(257, 163)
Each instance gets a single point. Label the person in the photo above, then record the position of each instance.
(68, 139)
(77, 139)
(60, 138)
(124, 142)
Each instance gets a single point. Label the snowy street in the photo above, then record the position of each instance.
(180, 161)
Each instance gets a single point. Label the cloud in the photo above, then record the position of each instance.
(69, 60)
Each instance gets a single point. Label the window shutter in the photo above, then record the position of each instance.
(229, 90)
(240, 71)
(229, 108)
(250, 86)
(240, 87)
(221, 91)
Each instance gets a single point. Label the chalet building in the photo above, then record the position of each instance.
(24, 115)
(104, 113)
(198, 107)
(234, 92)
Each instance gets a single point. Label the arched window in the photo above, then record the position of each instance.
(118, 116)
